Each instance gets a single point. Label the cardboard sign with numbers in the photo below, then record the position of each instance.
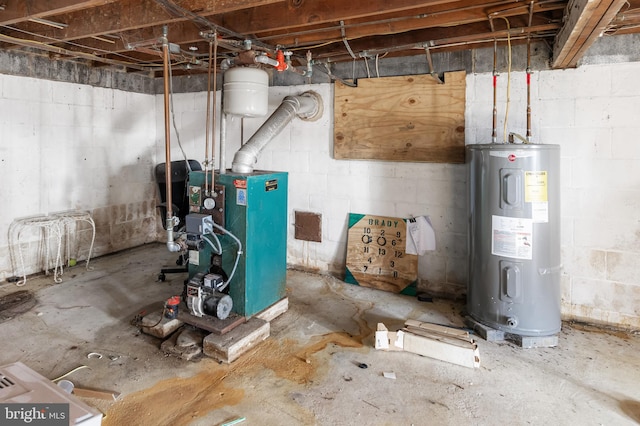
(376, 254)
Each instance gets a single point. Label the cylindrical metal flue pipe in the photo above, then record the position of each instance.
(307, 106)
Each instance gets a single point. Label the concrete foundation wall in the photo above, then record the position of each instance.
(72, 146)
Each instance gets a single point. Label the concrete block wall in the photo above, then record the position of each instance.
(72, 146)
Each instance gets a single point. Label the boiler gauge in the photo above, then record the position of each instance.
(209, 203)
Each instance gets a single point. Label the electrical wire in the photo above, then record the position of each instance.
(70, 372)
(377, 69)
(314, 46)
(216, 250)
(207, 123)
(164, 309)
(238, 254)
(366, 65)
(506, 112)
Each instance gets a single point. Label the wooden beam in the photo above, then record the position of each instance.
(437, 16)
(20, 11)
(434, 17)
(437, 38)
(585, 21)
(128, 15)
(74, 54)
(277, 17)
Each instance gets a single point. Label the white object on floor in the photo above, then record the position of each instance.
(22, 385)
(389, 375)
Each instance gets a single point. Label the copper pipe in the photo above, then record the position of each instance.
(213, 117)
(207, 125)
(167, 133)
(494, 131)
(529, 75)
(529, 90)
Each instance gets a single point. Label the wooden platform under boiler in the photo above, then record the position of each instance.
(224, 340)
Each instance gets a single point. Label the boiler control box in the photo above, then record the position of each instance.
(198, 223)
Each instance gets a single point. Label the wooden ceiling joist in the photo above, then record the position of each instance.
(107, 28)
(20, 11)
(585, 21)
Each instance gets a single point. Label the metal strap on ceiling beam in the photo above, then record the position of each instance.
(345, 41)
(430, 62)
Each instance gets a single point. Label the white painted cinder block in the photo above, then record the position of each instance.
(622, 267)
(607, 234)
(624, 80)
(571, 83)
(584, 262)
(624, 143)
(622, 174)
(594, 112)
(605, 296)
(365, 205)
(433, 268)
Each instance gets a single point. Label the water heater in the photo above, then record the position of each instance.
(514, 237)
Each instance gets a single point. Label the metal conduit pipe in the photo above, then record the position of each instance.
(307, 106)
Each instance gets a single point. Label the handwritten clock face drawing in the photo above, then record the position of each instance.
(376, 255)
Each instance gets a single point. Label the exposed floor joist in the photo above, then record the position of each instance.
(586, 20)
(329, 29)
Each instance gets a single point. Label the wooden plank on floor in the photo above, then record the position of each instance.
(96, 393)
(230, 346)
(212, 324)
(275, 310)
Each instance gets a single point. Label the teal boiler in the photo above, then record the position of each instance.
(255, 211)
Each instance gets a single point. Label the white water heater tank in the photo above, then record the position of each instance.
(246, 92)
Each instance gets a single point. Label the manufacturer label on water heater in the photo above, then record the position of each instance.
(535, 192)
(512, 237)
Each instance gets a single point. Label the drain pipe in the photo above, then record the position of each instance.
(307, 106)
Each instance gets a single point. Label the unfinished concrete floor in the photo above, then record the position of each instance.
(307, 372)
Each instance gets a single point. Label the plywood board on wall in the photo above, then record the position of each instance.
(407, 118)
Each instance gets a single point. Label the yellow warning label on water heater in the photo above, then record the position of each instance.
(535, 187)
